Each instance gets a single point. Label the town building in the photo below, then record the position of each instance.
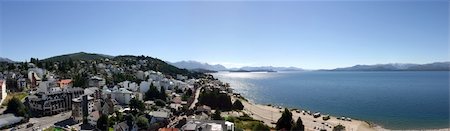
(208, 125)
(96, 81)
(82, 107)
(123, 96)
(54, 102)
(3, 93)
(159, 116)
(123, 126)
(65, 83)
(93, 117)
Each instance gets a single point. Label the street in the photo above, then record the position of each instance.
(44, 122)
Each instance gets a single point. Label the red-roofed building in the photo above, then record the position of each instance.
(65, 83)
(168, 129)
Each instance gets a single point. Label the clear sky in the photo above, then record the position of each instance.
(306, 34)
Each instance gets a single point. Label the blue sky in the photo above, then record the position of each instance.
(306, 34)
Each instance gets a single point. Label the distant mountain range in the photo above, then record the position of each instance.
(195, 65)
(205, 67)
(437, 66)
(267, 68)
(6, 60)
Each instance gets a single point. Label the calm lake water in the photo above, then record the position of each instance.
(394, 100)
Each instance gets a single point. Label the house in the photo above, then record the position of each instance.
(82, 107)
(149, 104)
(22, 83)
(109, 105)
(35, 75)
(159, 116)
(203, 108)
(96, 81)
(2, 90)
(144, 86)
(93, 92)
(123, 126)
(140, 75)
(168, 129)
(48, 86)
(65, 83)
(93, 117)
(123, 96)
(176, 100)
(208, 125)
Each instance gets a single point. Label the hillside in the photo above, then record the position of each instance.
(156, 65)
(77, 56)
(6, 60)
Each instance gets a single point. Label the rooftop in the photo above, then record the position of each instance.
(161, 114)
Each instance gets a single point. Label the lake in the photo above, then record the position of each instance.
(392, 99)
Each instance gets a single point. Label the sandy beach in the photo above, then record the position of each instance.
(269, 115)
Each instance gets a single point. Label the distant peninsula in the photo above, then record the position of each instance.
(436, 66)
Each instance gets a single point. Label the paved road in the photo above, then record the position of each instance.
(197, 93)
(45, 122)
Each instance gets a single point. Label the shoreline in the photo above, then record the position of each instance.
(270, 114)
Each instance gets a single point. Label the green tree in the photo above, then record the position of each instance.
(237, 105)
(142, 122)
(136, 104)
(129, 119)
(16, 107)
(162, 94)
(285, 122)
(260, 127)
(216, 115)
(339, 128)
(103, 122)
(298, 126)
(152, 93)
(215, 99)
(80, 80)
(189, 92)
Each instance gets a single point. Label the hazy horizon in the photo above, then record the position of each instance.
(304, 34)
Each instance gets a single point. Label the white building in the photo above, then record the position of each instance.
(144, 86)
(123, 96)
(3, 90)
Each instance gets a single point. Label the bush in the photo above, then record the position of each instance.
(160, 102)
(103, 123)
(260, 127)
(142, 122)
(216, 115)
(339, 128)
